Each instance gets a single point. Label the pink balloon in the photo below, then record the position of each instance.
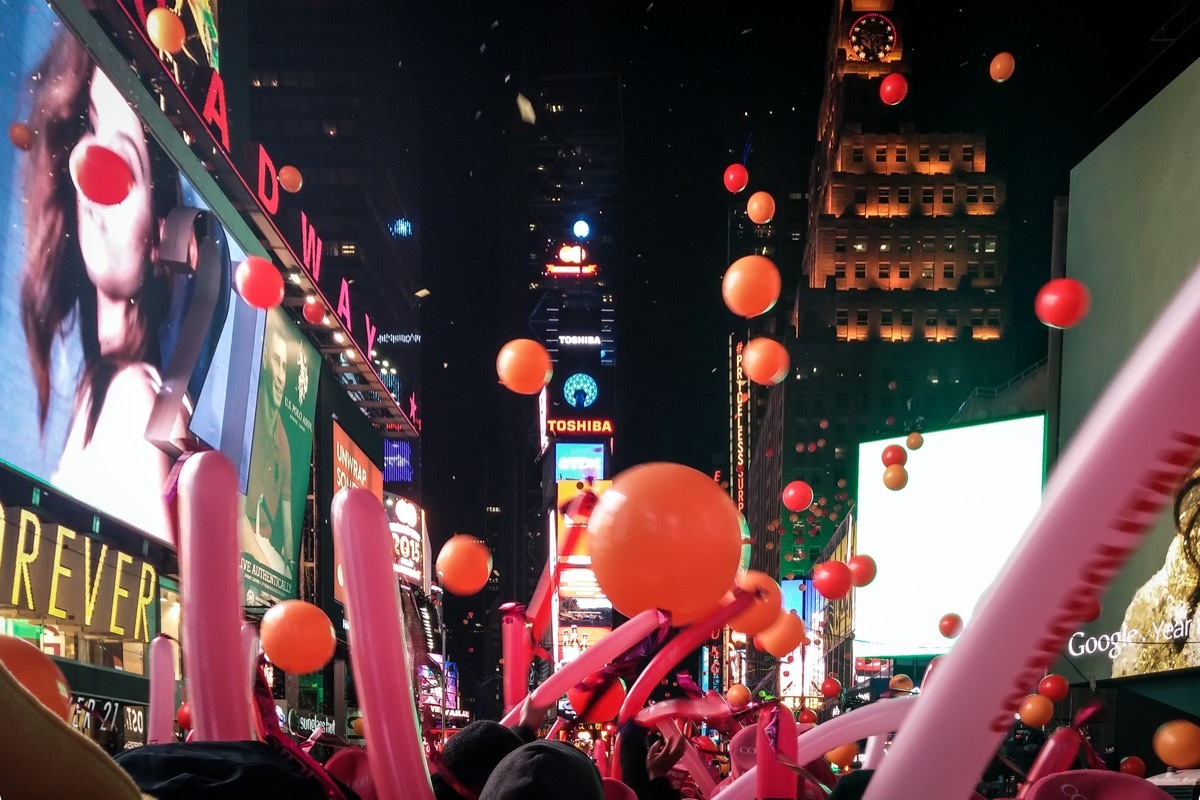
(250, 650)
(518, 654)
(1095, 784)
(600, 751)
(379, 651)
(773, 778)
(673, 652)
(160, 722)
(615, 790)
(595, 657)
(690, 760)
(1147, 416)
(1057, 755)
(211, 613)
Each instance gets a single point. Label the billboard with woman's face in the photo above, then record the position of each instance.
(122, 342)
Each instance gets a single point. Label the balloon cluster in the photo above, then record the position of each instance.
(1037, 709)
(834, 579)
(895, 459)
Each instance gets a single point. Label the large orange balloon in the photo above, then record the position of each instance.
(738, 696)
(297, 636)
(843, 756)
(665, 536)
(1036, 710)
(524, 366)
(765, 610)
(38, 673)
(760, 208)
(1177, 744)
(765, 361)
(603, 708)
(1002, 66)
(785, 635)
(464, 565)
(751, 286)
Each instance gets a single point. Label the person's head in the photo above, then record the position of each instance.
(277, 360)
(544, 770)
(852, 786)
(635, 743)
(76, 250)
(471, 754)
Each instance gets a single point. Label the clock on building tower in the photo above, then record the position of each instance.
(872, 37)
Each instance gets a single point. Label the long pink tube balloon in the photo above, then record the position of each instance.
(673, 652)
(690, 760)
(592, 659)
(211, 599)
(379, 652)
(773, 778)
(1092, 517)
(518, 653)
(881, 716)
(160, 725)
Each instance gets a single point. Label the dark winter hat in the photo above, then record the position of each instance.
(545, 770)
(471, 754)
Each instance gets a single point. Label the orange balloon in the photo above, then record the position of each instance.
(843, 756)
(38, 673)
(914, 441)
(1002, 66)
(603, 708)
(765, 361)
(900, 683)
(464, 565)
(165, 29)
(21, 135)
(1177, 744)
(290, 179)
(895, 477)
(297, 636)
(760, 208)
(1036, 710)
(356, 725)
(785, 635)
(665, 536)
(751, 286)
(524, 366)
(765, 610)
(738, 696)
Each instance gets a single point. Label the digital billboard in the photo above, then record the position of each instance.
(1132, 239)
(401, 460)
(122, 340)
(941, 541)
(410, 541)
(576, 461)
(352, 469)
(584, 615)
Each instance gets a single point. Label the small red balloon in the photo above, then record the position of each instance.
(1091, 610)
(259, 283)
(894, 454)
(862, 570)
(314, 312)
(1054, 687)
(797, 496)
(101, 175)
(1062, 303)
(21, 135)
(807, 717)
(290, 179)
(736, 178)
(1132, 765)
(184, 715)
(600, 709)
(832, 579)
(950, 625)
(831, 687)
(893, 89)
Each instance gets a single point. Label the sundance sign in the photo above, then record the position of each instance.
(51, 572)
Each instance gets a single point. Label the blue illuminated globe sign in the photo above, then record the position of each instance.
(580, 390)
(581, 229)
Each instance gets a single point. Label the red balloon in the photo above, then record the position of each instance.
(1002, 66)
(950, 625)
(1132, 765)
(314, 312)
(1054, 687)
(524, 366)
(831, 687)
(862, 569)
(184, 715)
(797, 496)
(38, 673)
(101, 175)
(765, 361)
(760, 208)
(832, 579)
(1091, 611)
(290, 179)
(464, 565)
(893, 89)
(736, 178)
(751, 286)
(807, 716)
(599, 709)
(259, 283)
(297, 636)
(21, 135)
(894, 454)
(1062, 303)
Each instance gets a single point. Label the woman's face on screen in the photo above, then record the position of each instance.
(114, 240)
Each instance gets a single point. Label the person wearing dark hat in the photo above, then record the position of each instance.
(544, 770)
(469, 756)
(853, 785)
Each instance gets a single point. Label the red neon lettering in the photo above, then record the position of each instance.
(216, 113)
(269, 199)
(371, 330)
(311, 246)
(343, 308)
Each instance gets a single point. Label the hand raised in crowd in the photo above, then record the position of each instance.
(663, 755)
(532, 716)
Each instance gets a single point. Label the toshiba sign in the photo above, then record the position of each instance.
(568, 426)
(577, 340)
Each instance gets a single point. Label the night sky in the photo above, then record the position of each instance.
(697, 85)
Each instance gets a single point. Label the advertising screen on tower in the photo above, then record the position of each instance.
(940, 541)
(576, 461)
(584, 614)
(123, 342)
(352, 469)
